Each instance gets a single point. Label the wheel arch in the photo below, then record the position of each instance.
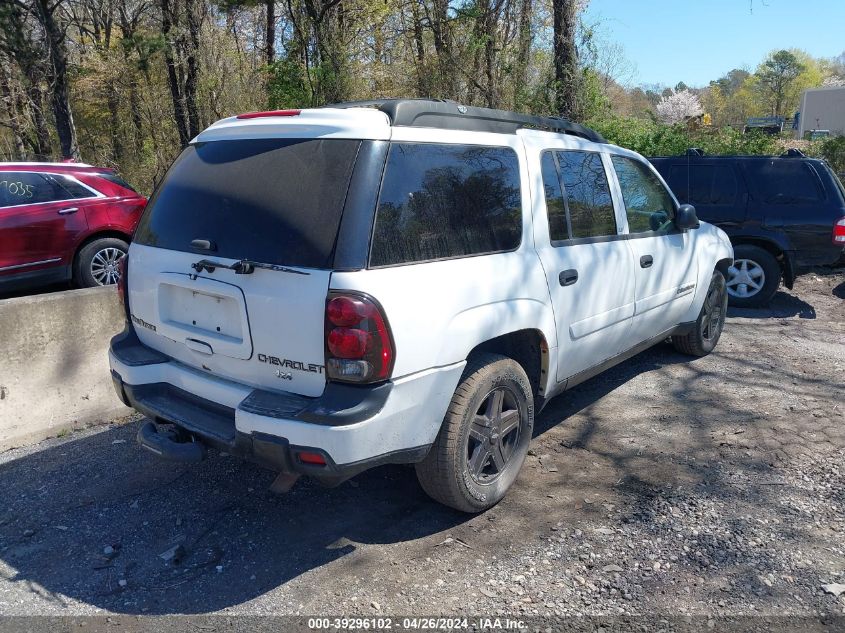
(91, 238)
(723, 264)
(716, 255)
(529, 348)
(779, 251)
(99, 235)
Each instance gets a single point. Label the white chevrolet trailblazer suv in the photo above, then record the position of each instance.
(400, 281)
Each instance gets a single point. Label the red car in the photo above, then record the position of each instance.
(63, 221)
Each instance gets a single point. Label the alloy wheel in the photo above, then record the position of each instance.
(493, 435)
(745, 278)
(105, 265)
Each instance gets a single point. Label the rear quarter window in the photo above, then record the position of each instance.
(117, 180)
(440, 201)
(784, 182)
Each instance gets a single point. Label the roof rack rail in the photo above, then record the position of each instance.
(793, 152)
(450, 115)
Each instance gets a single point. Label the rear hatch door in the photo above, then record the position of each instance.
(231, 262)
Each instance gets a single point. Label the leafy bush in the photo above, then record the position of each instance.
(833, 151)
(651, 138)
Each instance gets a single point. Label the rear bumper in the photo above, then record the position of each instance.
(353, 428)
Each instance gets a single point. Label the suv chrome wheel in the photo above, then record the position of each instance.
(104, 265)
(493, 434)
(745, 278)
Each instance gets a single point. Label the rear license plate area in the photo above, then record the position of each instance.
(202, 313)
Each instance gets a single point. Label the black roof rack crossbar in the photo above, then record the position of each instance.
(449, 115)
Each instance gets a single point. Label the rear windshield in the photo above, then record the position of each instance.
(837, 180)
(277, 201)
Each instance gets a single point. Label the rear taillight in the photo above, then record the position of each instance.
(359, 347)
(839, 232)
(122, 283)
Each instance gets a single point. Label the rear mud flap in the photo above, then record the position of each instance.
(788, 265)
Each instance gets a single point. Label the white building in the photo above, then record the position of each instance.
(823, 109)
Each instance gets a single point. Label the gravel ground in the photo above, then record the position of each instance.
(667, 486)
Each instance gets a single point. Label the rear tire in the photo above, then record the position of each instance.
(711, 320)
(96, 262)
(753, 266)
(484, 437)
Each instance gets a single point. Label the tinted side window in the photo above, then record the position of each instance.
(704, 184)
(73, 188)
(18, 188)
(587, 194)
(440, 201)
(555, 206)
(648, 205)
(725, 187)
(785, 181)
(691, 183)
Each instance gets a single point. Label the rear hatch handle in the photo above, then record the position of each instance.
(242, 267)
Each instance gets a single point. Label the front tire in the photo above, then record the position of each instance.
(484, 437)
(97, 262)
(754, 277)
(711, 320)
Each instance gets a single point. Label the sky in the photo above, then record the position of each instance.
(696, 41)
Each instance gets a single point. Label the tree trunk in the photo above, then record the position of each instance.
(194, 20)
(175, 85)
(135, 113)
(128, 28)
(113, 103)
(270, 38)
(491, 95)
(60, 93)
(423, 89)
(565, 58)
(41, 145)
(443, 47)
(34, 68)
(13, 112)
(523, 53)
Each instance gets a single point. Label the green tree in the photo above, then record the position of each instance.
(775, 78)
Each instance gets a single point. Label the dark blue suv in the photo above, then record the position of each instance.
(783, 214)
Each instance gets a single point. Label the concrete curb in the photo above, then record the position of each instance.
(54, 372)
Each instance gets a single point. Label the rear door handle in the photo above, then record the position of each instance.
(68, 211)
(646, 261)
(568, 277)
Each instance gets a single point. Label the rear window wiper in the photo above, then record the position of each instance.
(242, 267)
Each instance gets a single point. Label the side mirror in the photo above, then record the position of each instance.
(686, 218)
